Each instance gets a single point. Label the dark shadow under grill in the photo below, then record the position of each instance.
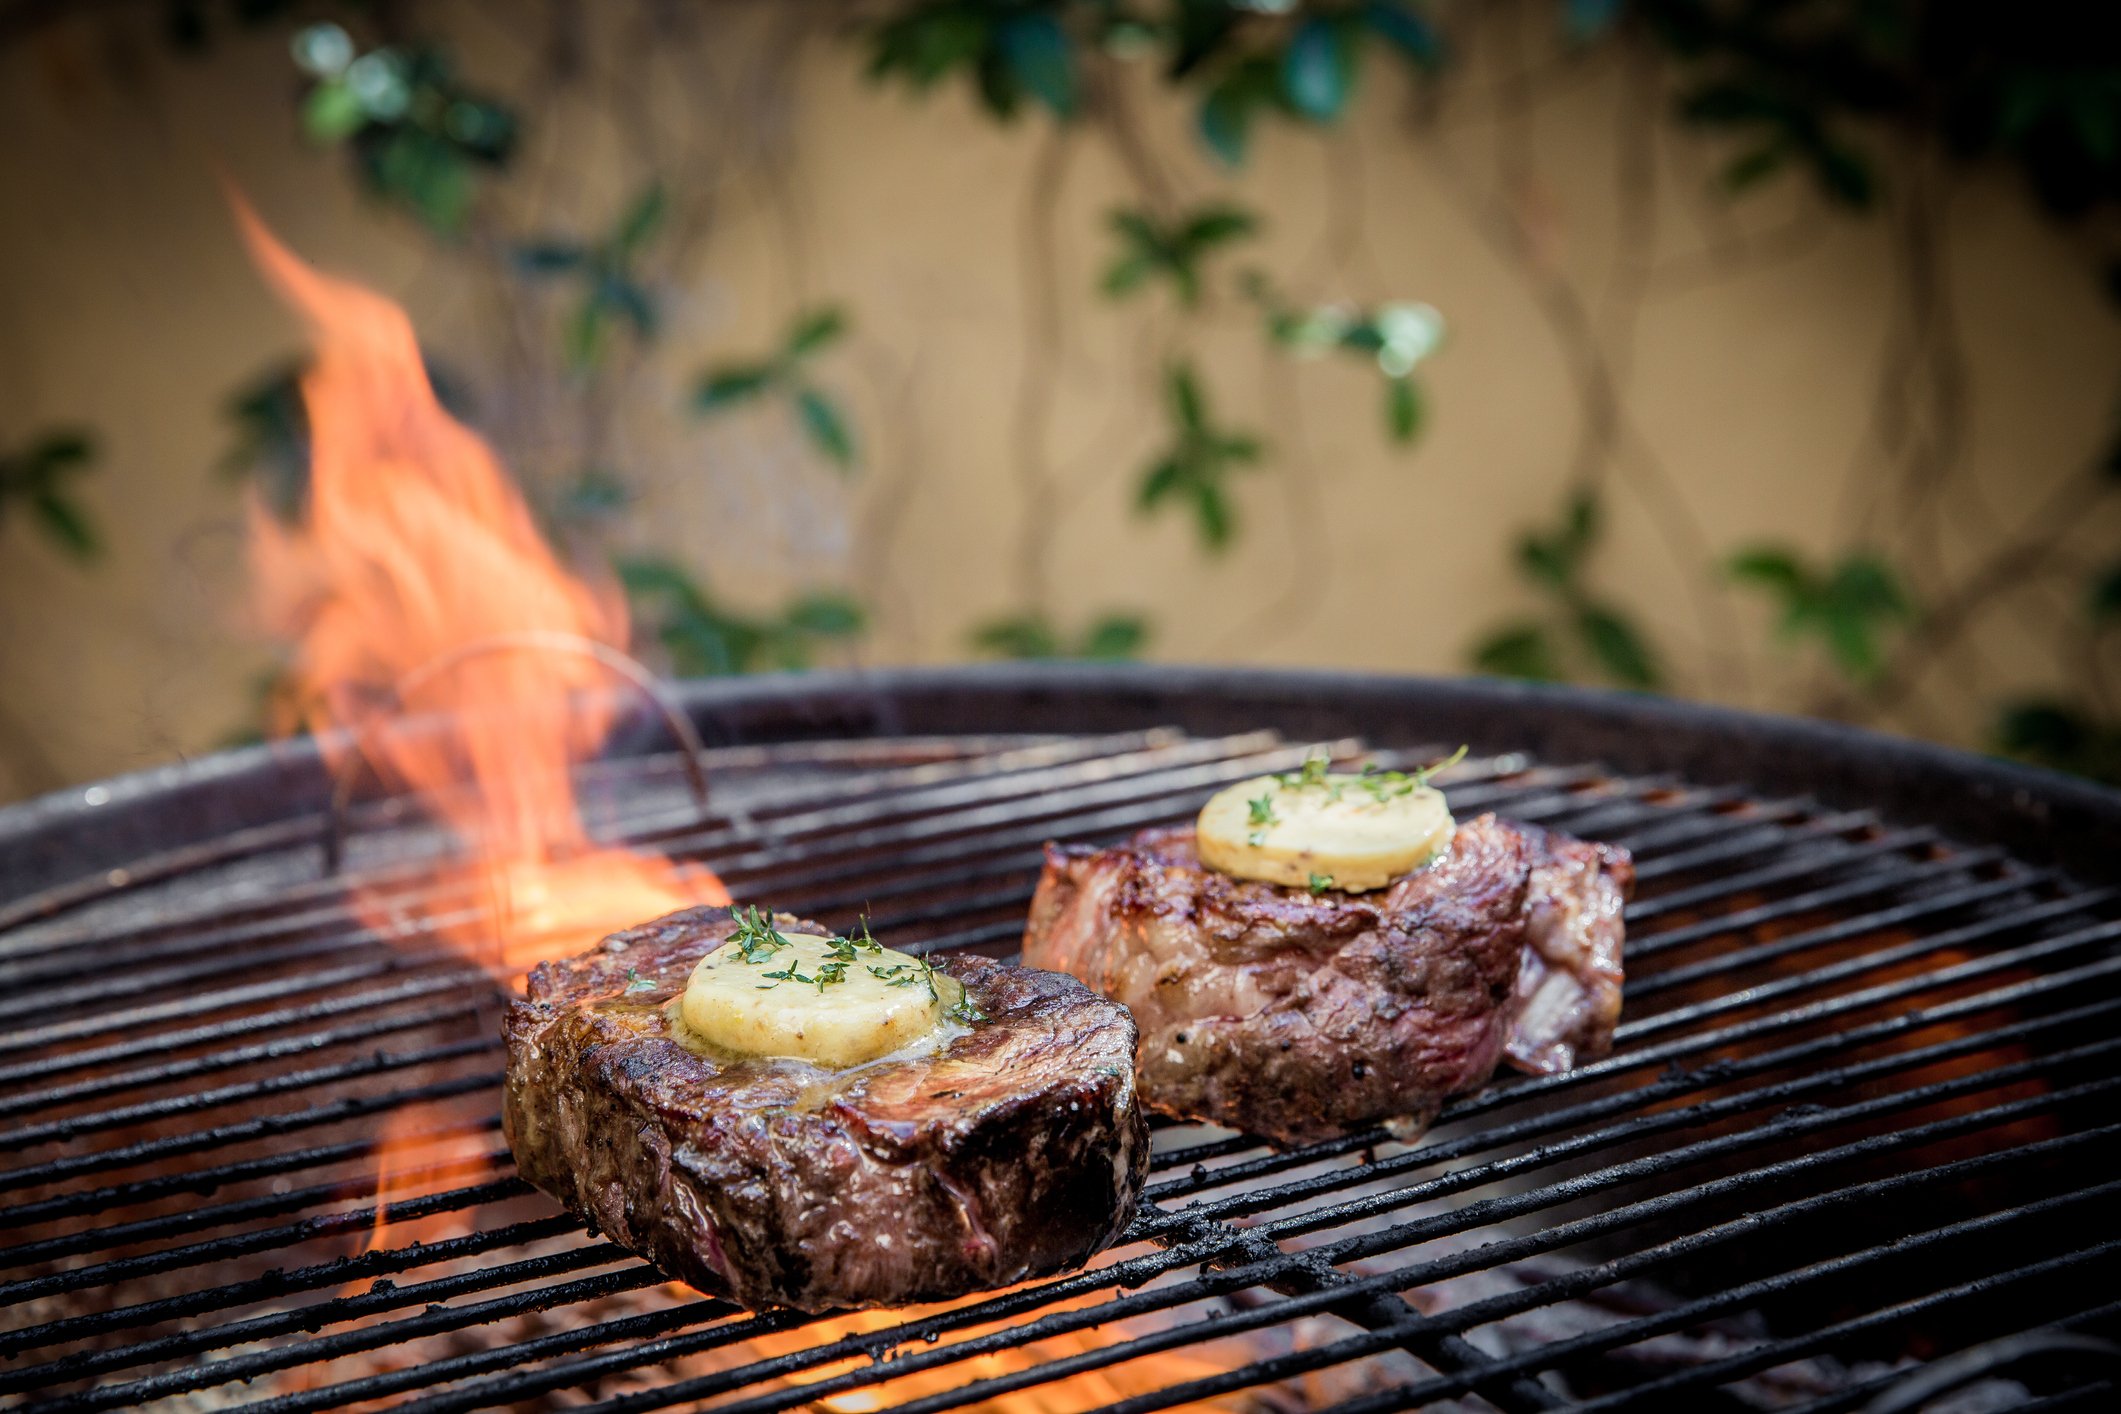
(1862, 1114)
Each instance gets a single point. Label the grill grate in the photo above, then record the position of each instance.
(1860, 1113)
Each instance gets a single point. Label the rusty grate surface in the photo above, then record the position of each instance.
(1862, 1113)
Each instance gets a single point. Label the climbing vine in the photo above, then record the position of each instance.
(1871, 107)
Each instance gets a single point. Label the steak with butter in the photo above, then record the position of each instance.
(1002, 1144)
(1298, 1014)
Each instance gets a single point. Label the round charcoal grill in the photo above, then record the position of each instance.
(1856, 1148)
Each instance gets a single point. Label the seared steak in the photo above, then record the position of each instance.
(1299, 1016)
(1015, 1149)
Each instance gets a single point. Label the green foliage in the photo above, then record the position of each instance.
(1395, 337)
(1173, 251)
(1849, 608)
(1109, 638)
(2061, 737)
(418, 137)
(38, 480)
(610, 290)
(1576, 628)
(786, 374)
(1012, 52)
(1304, 66)
(701, 638)
(1195, 471)
(1302, 63)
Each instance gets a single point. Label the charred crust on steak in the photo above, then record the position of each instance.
(1010, 1149)
(1299, 1016)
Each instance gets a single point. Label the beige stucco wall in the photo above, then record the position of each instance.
(1750, 395)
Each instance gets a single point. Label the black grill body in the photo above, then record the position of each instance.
(1856, 1148)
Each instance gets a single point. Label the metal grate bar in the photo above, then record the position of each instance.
(28, 1101)
(1141, 1304)
(2021, 965)
(374, 1063)
(261, 1240)
(1737, 959)
(155, 1043)
(1828, 973)
(1405, 1234)
(242, 1210)
(265, 1126)
(1783, 1351)
(1488, 1371)
(1660, 1093)
(437, 1319)
(275, 1286)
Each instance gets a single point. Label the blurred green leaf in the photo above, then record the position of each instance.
(551, 257)
(1405, 30)
(726, 387)
(1750, 168)
(332, 113)
(66, 523)
(1024, 636)
(1844, 175)
(37, 477)
(1111, 637)
(1518, 651)
(1125, 275)
(1226, 113)
(641, 221)
(828, 616)
(1846, 608)
(1176, 251)
(1318, 68)
(585, 336)
(1547, 560)
(619, 294)
(1186, 404)
(1402, 409)
(701, 638)
(1616, 647)
(816, 330)
(1116, 637)
(1773, 568)
(2106, 595)
(1163, 479)
(1194, 471)
(2062, 737)
(825, 426)
(925, 43)
(1039, 59)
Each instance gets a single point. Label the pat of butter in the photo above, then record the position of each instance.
(1318, 830)
(826, 1000)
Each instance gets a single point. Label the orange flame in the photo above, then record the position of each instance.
(1087, 1389)
(419, 582)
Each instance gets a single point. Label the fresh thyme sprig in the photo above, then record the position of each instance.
(1262, 817)
(1437, 768)
(1312, 773)
(635, 982)
(921, 972)
(758, 940)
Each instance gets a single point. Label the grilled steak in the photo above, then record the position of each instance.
(1015, 1149)
(1297, 1016)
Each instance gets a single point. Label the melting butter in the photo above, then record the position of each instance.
(822, 1000)
(1319, 830)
